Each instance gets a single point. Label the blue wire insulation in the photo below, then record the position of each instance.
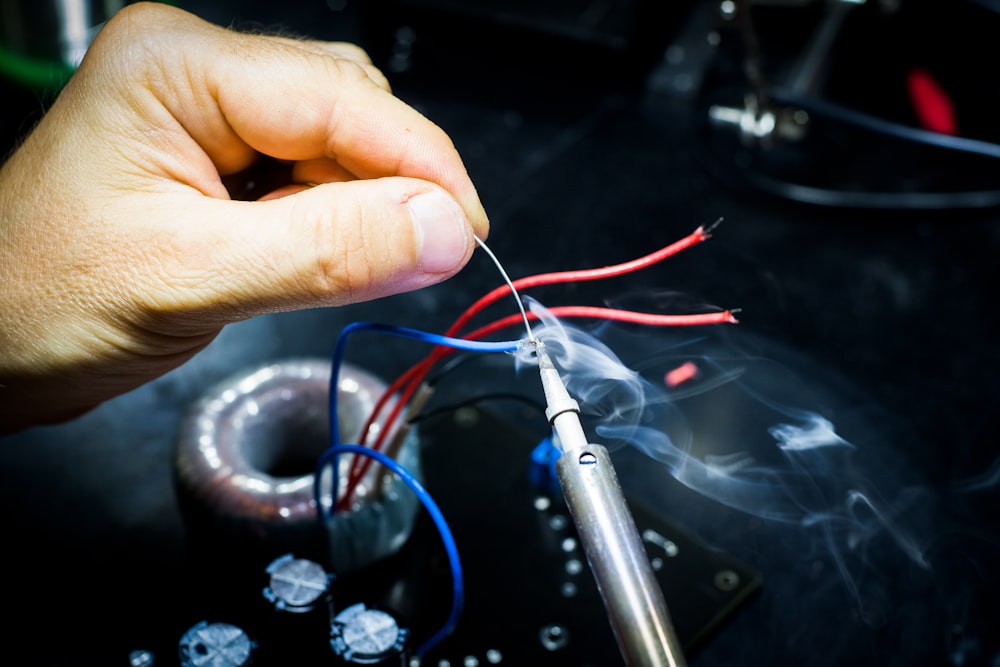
(335, 449)
(338, 361)
(436, 339)
(458, 585)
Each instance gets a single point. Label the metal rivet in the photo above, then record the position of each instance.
(726, 580)
(554, 637)
(466, 417)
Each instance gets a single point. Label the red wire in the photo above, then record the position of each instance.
(357, 472)
(415, 375)
(593, 312)
(695, 237)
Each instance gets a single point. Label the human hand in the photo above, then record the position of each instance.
(122, 253)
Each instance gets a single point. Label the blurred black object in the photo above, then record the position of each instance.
(570, 42)
(880, 105)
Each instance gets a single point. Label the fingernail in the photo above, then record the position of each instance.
(442, 231)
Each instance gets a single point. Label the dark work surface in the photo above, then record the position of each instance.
(880, 552)
(524, 574)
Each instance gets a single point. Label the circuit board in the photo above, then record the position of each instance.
(529, 595)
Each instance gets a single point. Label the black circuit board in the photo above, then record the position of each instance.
(530, 597)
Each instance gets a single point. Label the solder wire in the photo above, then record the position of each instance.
(700, 234)
(359, 469)
(414, 376)
(510, 284)
(409, 378)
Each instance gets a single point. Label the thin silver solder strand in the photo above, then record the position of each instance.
(510, 284)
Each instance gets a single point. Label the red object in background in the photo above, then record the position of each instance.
(683, 373)
(931, 102)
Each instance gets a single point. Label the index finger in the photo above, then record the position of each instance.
(230, 91)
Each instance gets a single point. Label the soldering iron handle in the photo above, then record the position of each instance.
(632, 596)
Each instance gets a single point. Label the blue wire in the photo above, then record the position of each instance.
(335, 449)
(437, 339)
(338, 360)
(458, 586)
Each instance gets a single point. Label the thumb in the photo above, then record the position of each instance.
(331, 244)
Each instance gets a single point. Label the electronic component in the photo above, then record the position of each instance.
(364, 636)
(216, 645)
(543, 466)
(251, 419)
(245, 461)
(297, 585)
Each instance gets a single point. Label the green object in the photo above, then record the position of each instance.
(29, 53)
(33, 72)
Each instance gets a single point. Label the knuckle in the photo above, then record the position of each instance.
(353, 52)
(341, 267)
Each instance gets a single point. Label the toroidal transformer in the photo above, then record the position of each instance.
(246, 456)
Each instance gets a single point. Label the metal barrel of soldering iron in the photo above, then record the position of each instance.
(632, 596)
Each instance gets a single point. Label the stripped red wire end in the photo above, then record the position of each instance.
(706, 233)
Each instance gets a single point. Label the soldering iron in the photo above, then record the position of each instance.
(631, 594)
